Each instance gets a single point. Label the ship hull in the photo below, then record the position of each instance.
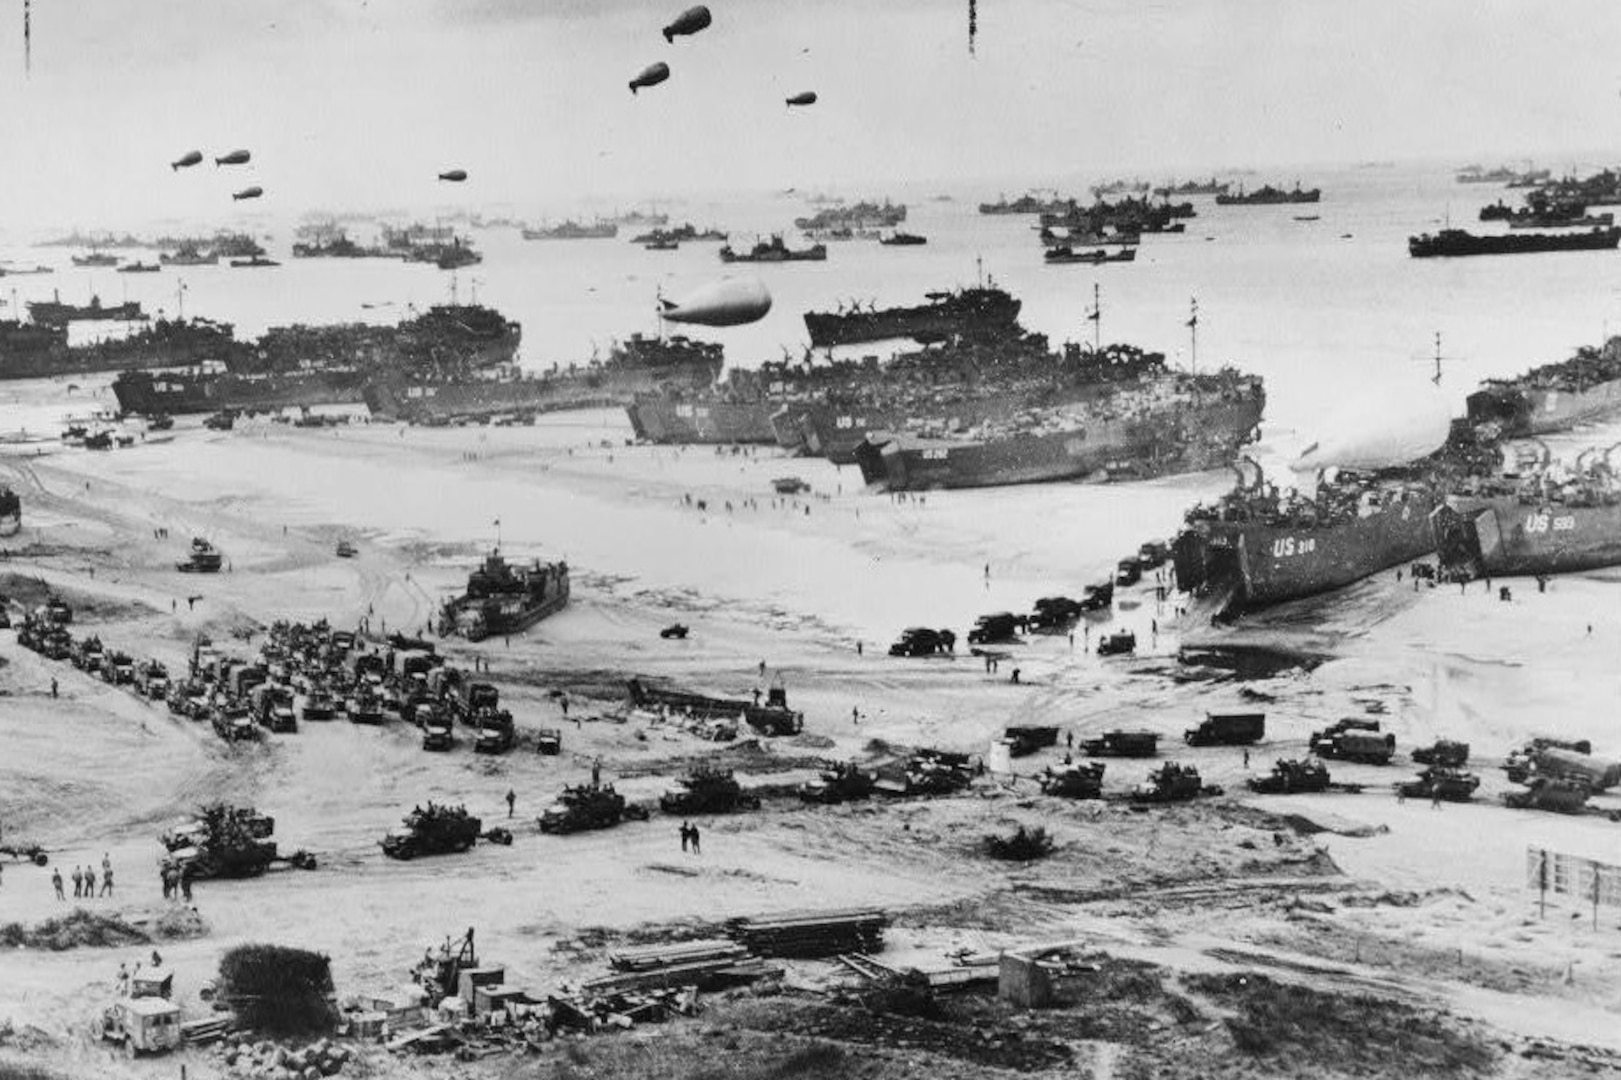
(935, 319)
(1189, 440)
(397, 398)
(669, 420)
(1250, 565)
(1424, 247)
(189, 392)
(1507, 537)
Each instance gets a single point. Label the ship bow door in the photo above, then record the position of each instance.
(1460, 541)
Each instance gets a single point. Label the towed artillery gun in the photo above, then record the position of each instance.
(708, 790)
(588, 806)
(1083, 781)
(26, 850)
(437, 830)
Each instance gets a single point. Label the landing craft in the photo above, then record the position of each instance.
(689, 21)
(235, 157)
(249, 193)
(454, 175)
(806, 98)
(193, 157)
(727, 302)
(651, 75)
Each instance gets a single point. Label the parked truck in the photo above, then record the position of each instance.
(142, 1025)
(496, 733)
(1122, 744)
(1025, 739)
(1354, 739)
(1560, 763)
(1290, 776)
(708, 790)
(1227, 729)
(1445, 752)
(1083, 781)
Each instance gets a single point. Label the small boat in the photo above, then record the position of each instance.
(346, 550)
(140, 268)
(662, 244)
(903, 239)
(1308, 217)
(257, 260)
(1066, 255)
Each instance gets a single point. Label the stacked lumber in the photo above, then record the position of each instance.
(199, 1032)
(812, 934)
(686, 952)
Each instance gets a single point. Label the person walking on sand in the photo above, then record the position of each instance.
(107, 881)
(686, 835)
(89, 883)
(78, 883)
(53, 686)
(185, 884)
(694, 834)
(512, 800)
(56, 882)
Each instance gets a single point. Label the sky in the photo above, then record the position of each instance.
(359, 104)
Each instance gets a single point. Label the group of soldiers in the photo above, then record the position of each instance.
(176, 880)
(84, 881)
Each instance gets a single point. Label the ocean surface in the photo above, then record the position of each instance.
(1333, 312)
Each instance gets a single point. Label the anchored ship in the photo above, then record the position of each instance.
(54, 312)
(773, 251)
(1168, 422)
(1553, 397)
(504, 599)
(861, 215)
(31, 350)
(1268, 195)
(1028, 204)
(638, 365)
(978, 309)
(1456, 242)
(573, 230)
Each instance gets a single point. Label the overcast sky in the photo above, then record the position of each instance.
(359, 103)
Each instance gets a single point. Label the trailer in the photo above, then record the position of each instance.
(1122, 744)
(1227, 729)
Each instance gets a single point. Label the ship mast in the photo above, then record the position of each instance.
(1095, 317)
(1193, 336)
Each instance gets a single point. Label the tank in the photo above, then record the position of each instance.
(593, 806)
(434, 830)
(1083, 781)
(1289, 776)
(842, 783)
(1440, 782)
(1227, 729)
(1169, 783)
(708, 790)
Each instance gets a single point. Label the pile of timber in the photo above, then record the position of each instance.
(705, 964)
(200, 1032)
(809, 934)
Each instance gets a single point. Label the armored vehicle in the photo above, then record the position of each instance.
(227, 842)
(549, 741)
(319, 705)
(1548, 793)
(1290, 776)
(1119, 643)
(707, 790)
(1097, 597)
(433, 831)
(594, 806)
(842, 783)
(1083, 781)
(1440, 782)
(1169, 783)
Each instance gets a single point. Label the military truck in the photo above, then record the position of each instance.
(272, 707)
(708, 790)
(233, 722)
(1153, 554)
(1025, 739)
(1128, 571)
(1097, 597)
(1055, 613)
(87, 654)
(1354, 739)
(922, 641)
(1440, 782)
(437, 733)
(365, 705)
(1561, 763)
(436, 830)
(995, 629)
(1083, 781)
(58, 610)
(118, 668)
(1122, 744)
(1227, 729)
(1170, 783)
(844, 782)
(496, 734)
(142, 1025)
(228, 842)
(1119, 643)
(593, 806)
(1290, 776)
(1445, 752)
(549, 741)
(319, 704)
(152, 680)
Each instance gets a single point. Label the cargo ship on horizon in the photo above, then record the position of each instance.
(54, 312)
(1450, 243)
(1267, 195)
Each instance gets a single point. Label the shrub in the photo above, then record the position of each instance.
(277, 989)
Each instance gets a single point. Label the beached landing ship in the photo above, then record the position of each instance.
(638, 365)
(503, 599)
(1254, 547)
(981, 308)
(1539, 524)
(1167, 422)
(1553, 397)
